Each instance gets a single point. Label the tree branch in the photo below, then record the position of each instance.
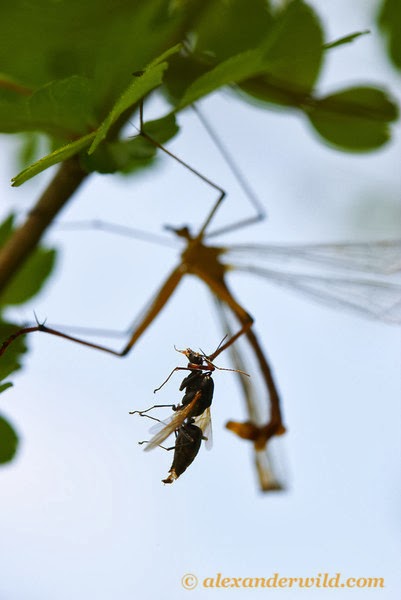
(17, 249)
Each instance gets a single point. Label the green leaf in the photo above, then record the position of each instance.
(282, 67)
(122, 155)
(6, 229)
(141, 85)
(8, 441)
(232, 70)
(292, 54)
(245, 25)
(10, 361)
(30, 278)
(136, 153)
(52, 159)
(293, 51)
(355, 119)
(65, 105)
(347, 39)
(5, 386)
(163, 129)
(62, 108)
(47, 40)
(29, 149)
(390, 22)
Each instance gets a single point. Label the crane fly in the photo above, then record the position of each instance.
(374, 298)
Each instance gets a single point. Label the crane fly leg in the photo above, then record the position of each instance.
(161, 298)
(259, 435)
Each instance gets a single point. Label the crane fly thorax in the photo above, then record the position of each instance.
(198, 258)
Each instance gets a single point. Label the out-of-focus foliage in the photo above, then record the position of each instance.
(8, 441)
(25, 284)
(78, 71)
(390, 21)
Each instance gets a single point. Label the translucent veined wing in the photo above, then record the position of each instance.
(371, 298)
(380, 257)
(204, 421)
(177, 419)
(270, 473)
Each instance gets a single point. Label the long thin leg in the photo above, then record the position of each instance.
(246, 326)
(143, 413)
(239, 176)
(269, 477)
(171, 374)
(259, 435)
(222, 193)
(156, 306)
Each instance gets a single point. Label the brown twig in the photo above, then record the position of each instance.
(19, 246)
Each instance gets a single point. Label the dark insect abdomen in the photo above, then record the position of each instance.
(187, 444)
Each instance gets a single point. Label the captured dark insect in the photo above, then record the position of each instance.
(188, 439)
(376, 298)
(187, 444)
(191, 422)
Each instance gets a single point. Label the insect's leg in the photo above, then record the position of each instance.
(219, 288)
(151, 313)
(268, 475)
(117, 229)
(160, 446)
(172, 373)
(239, 176)
(246, 326)
(222, 193)
(259, 435)
(143, 413)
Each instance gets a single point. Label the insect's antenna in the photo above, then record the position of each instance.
(239, 176)
(226, 369)
(220, 343)
(209, 362)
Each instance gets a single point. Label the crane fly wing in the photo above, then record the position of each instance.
(380, 257)
(374, 299)
(204, 421)
(175, 423)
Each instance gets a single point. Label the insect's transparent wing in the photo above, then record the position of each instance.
(380, 257)
(269, 472)
(373, 299)
(175, 423)
(204, 421)
(162, 423)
